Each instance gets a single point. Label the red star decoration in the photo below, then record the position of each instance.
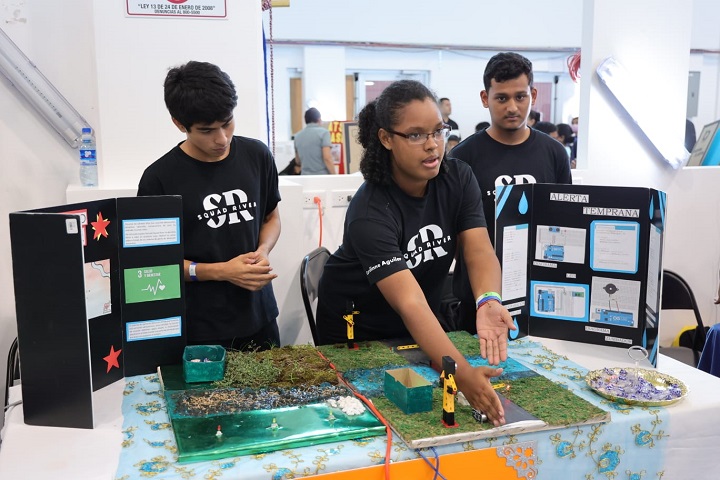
(112, 358)
(100, 227)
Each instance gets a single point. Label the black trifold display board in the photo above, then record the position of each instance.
(99, 295)
(582, 263)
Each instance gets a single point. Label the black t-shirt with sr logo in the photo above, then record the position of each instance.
(224, 206)
(539, 159)
(387, 231)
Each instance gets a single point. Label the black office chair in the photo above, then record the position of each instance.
(311, 270)
(677, 295)
(13, 369)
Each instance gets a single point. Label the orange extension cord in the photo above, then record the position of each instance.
(372, 408)
(318, 202)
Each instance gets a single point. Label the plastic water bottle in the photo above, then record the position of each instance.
(88, 159)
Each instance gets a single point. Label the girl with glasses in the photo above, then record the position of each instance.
(403, 227)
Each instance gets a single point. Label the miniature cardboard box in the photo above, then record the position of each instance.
(408, 390)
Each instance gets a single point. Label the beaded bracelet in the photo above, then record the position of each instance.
(486, 297)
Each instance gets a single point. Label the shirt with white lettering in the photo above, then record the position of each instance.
(224, 204)
(387, 231)
(539, 159)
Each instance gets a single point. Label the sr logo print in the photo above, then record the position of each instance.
(510, 180)
(232, 205)
(426, 246)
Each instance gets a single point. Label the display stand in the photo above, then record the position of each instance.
(152, 277)
(80, 324)
(582, 263)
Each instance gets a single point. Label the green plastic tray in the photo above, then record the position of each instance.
(209, 368)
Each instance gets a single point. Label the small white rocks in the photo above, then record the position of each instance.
(349, 405)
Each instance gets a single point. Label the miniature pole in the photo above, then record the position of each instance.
(350, 312)
(449, 391)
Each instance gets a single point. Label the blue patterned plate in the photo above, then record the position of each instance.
(636, 386)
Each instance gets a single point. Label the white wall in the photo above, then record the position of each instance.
(133, 56)
(324, 74)
(460, 22)
(705, 34)
(615, 153)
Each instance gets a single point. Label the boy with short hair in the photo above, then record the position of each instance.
(507, 152)
(231, 222)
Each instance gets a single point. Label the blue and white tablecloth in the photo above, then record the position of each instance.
(630, 447)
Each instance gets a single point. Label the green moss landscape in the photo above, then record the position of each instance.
(533, 394)
(277, 367)
(302, 365)
(369, 355)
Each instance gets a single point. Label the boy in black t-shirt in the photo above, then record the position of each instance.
(507, 152)
(229, 188)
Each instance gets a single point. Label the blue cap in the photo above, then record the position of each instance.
(87, 130)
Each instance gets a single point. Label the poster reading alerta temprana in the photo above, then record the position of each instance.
(178, 8)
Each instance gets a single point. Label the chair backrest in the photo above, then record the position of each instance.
(677, 295)
(311, 270)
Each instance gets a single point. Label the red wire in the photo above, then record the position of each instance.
(320, 215)
(388, 449)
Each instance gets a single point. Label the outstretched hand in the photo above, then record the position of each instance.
(251, 270)
(478, 391)
(493, 322)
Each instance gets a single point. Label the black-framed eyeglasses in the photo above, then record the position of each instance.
(441, 134)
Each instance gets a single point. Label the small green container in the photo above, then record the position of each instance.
(408, 390)
(211, 364)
